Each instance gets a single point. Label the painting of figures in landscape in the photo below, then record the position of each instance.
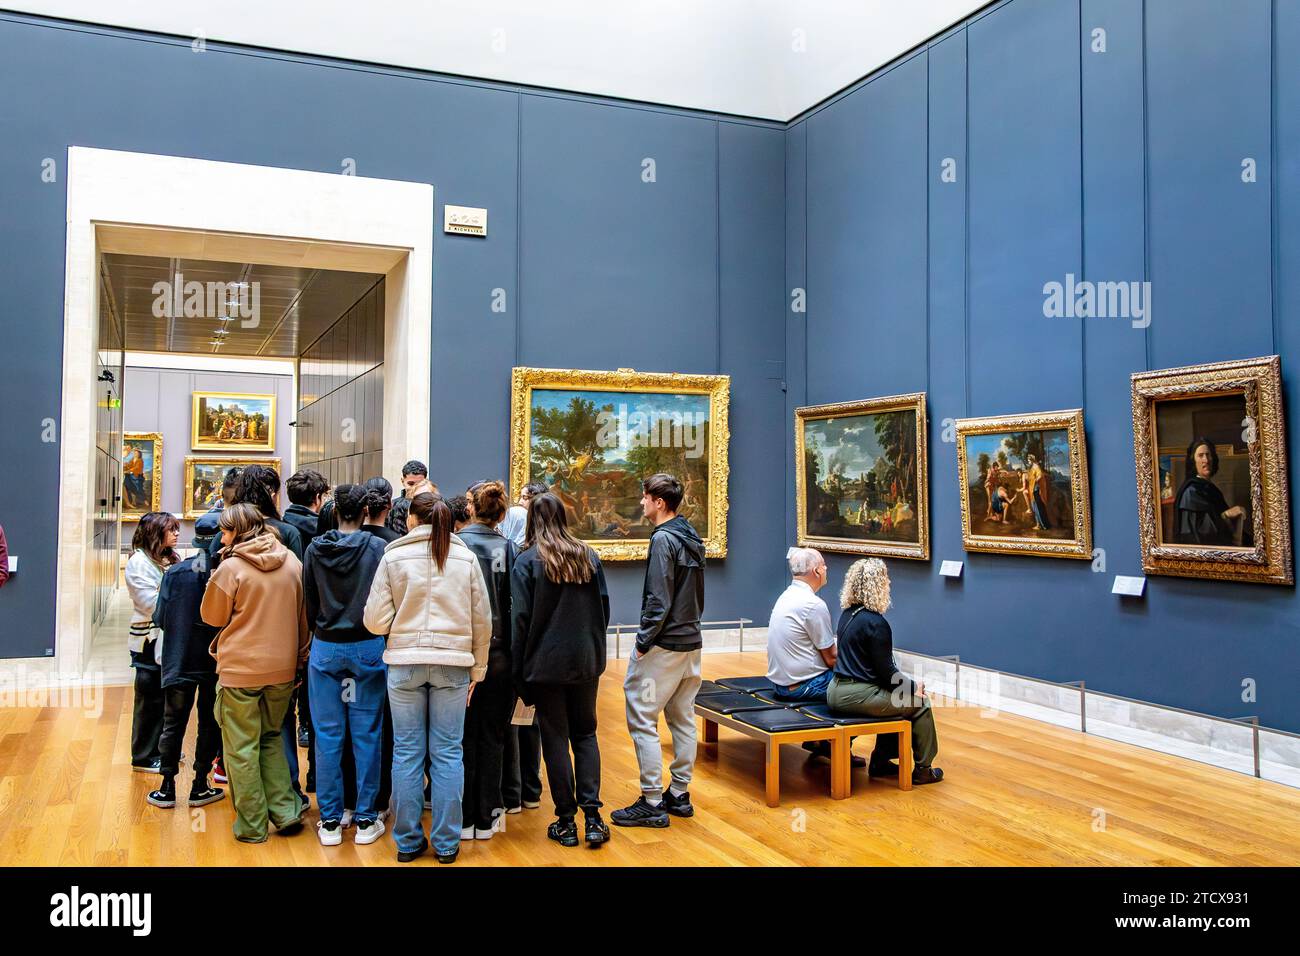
(228, 421)
(593, 446)
(203, 478)
(1024, 488)
(141, 473)
(862, 484)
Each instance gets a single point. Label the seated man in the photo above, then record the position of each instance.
(801, 640)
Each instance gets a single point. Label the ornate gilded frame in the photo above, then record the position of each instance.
(1259, 381)
(192, 460)
(1072, 421)
(913, 401)
(156, 496)
(206, 444)
(524, 380)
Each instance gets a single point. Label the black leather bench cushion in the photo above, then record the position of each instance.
(776, 719)
(747, 685)
(709, 687)
(825, 713)
(730, 702)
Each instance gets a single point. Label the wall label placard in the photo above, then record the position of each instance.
(1128, 586)
(464, 220)
(951, 569)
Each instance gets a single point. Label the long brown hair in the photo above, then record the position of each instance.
(566, 559)
(433, 511)
(150, 534)
(245, 520)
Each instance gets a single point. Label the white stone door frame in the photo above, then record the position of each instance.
(145, 204)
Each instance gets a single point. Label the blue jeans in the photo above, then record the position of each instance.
(347, 687)
(289, 738)
(811, 691)
(428, 705)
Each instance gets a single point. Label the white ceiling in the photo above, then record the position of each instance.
(766, 58)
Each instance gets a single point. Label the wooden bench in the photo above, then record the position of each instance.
(838, 735)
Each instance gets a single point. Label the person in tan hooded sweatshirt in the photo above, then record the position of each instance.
(255, 597)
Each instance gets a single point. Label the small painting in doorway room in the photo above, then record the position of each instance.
(204, 476)
(862, 485)
(227, 421)
(1024, 484)
(141, 474)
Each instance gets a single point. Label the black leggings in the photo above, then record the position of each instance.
(567, 716)
(178, 701)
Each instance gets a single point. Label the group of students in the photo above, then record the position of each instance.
(407, 631)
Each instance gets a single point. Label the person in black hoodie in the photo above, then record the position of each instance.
(379, 501)
(663, 673)
(349, 680)
(490, 708)
(559, 611)
(307, 489)
(189, 671)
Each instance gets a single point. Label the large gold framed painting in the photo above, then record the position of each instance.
(141, 474)
(1024, 484)
(232, 421)
(860, 477)
(592, 437)
(1210, 447)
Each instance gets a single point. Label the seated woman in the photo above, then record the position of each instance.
(867, 682)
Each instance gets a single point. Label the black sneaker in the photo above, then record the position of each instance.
(153, 766)
(563, 831)
(304, 738)
(164, 797)
(449, 857)
(640, 814)
(880, 769)
(678, 806)
(202, 796)
(597, 830)
(928, 775)
(406, 856)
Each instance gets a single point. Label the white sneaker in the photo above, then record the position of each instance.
(369, 834)
(532, 804)
(467, 833)
(347, 819)
(329, 836)
(501, 810)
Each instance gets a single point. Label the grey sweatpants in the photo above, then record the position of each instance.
(667, 681)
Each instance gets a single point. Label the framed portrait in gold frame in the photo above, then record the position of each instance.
(592, 436)
(203, 477)
(232, 421)
(1209, 442)
(1024, 484)
(860, 477)
(141, 474)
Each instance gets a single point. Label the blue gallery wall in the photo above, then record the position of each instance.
(1122, 165)
(599, 268)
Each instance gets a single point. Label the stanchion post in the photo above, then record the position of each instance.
(618, 641)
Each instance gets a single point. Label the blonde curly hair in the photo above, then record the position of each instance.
(866, 583)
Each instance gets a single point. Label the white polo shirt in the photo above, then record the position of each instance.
(799, 629)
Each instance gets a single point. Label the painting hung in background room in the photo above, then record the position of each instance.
(860, 477)
(593, 436)
(229, 421)
(1210, 448)
(141, 474)
(1024, 484)
(203, 478)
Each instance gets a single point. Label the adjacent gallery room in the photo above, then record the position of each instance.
(793, 435)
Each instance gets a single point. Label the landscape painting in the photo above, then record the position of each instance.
(141, 474)
(1025, 484)
(592, 437)
(228, 421)
(860, 478)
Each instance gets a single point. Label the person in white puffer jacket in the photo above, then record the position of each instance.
(154, 551)
(429, 597)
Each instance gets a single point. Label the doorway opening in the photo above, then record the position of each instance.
(245, 312)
